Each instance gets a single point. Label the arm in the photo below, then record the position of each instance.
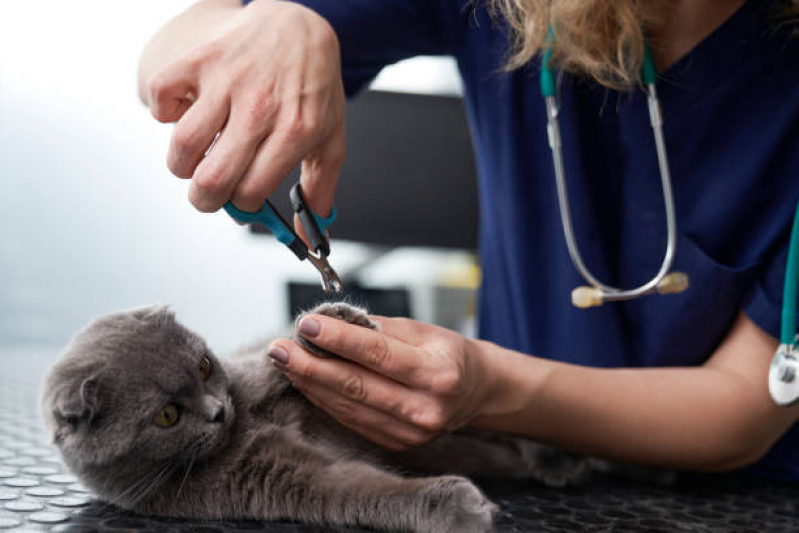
(414, 381)
(715, 417)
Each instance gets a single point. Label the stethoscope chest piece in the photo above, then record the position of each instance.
(783, 381)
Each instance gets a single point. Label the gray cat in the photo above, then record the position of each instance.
(150, 420)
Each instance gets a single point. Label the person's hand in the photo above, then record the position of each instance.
(270, 84)
(399, 387)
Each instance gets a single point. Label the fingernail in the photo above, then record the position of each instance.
(309, 327)
(279, 355)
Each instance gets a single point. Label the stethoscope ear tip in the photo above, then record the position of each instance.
(672, 283)
(585, 297)
(588, 296)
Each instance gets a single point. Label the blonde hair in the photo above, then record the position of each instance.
(601, 39)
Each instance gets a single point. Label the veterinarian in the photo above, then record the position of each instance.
(677, 381)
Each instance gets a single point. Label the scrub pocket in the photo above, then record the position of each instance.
(688, 327)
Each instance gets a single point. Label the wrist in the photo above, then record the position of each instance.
(512, 383)
(501, 390)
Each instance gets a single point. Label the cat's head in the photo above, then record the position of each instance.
(136, 388)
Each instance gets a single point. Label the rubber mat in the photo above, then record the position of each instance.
(38, 494)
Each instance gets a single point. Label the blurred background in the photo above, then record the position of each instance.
(92, 221)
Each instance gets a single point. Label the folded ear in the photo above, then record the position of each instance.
(150, 312)
(76, 407)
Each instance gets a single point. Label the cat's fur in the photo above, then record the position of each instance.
(247, 445)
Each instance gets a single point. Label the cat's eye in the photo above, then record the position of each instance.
(205, 368)
(168, 416)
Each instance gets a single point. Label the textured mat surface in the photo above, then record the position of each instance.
(37, 494)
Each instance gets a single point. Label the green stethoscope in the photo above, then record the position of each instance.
(783, 380)
(664, 282)
(783, 383)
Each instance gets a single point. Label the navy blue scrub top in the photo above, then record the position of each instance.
(731, 110)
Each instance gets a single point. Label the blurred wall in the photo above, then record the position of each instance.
(91, 221)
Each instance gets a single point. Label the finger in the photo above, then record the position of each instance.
(275, 159)
(357, 385)
(320, 172)
(171, 91)
(319, 176)
(375, 425)
(195, 131)
(322, 165)
(220, 171)
(406, 330)
(380, 438)
(375, 350)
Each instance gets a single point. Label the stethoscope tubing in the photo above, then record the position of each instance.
(783, 377)
(610, 293)
(790, 293)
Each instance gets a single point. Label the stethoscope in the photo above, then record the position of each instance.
(597, 293)
(783, 383)
(783, 379)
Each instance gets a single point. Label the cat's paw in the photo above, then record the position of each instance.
(342, 311)
(455, 505)
(349, 313)
(556, 468)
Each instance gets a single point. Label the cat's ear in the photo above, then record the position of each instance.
(152, 311)
(76, 407)
(154, 314)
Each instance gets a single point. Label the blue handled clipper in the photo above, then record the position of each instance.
(315, 228)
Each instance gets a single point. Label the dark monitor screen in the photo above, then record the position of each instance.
(382, 301)
(409, 177)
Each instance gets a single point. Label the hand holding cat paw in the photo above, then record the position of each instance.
(400, 386)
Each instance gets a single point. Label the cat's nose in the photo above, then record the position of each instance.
(214, 409)
(218, 415)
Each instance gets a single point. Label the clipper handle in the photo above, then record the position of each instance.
(315, 234)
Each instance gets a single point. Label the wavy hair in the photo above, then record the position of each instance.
(601, 39)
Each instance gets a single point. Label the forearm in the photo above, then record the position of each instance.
(703, 418)
(410, 382)
(198, 24)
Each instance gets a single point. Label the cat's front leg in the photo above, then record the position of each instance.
(281, 477)
(354, 493)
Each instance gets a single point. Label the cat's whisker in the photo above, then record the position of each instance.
(141, 486)
(155, 482)
(192, 452)
(121, 497)
(132, 489)
(185, 477)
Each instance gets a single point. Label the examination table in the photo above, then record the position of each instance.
(38, 494)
